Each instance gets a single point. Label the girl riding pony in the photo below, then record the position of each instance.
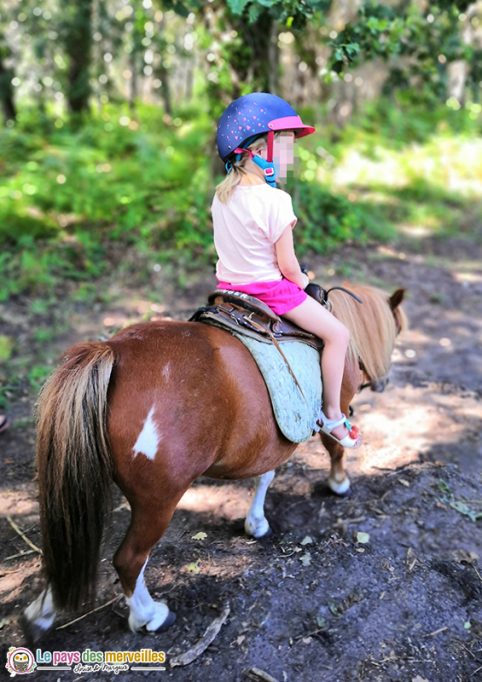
(253, 222)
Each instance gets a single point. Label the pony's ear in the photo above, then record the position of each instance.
(396, 298)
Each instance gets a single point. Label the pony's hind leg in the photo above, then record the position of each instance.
(39, 617)
(130, 561)
(256, 523)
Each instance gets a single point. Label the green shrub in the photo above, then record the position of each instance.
(75, 201)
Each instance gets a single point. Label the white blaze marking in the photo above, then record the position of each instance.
(148, 440)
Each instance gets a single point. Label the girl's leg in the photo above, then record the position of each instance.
(314, 318)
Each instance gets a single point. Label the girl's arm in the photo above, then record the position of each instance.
(287, 260)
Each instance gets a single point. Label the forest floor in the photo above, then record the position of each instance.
(311, 602)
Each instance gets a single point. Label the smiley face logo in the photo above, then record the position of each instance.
(20, 661)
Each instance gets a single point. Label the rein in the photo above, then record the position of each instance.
(326, 293)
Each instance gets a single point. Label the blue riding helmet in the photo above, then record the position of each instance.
(254, 115)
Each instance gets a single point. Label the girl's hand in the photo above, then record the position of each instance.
(287, 260)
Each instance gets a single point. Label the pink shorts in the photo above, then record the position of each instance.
(281, 296)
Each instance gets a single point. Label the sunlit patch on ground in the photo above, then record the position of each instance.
(18, 500)
(228, 501)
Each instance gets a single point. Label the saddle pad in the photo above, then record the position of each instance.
(295, 413)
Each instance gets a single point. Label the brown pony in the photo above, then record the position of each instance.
(155, 407)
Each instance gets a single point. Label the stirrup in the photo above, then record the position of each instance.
(352, 440)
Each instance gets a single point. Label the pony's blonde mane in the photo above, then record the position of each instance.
(373, 326)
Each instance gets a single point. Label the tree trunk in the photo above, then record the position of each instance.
(165, 88)
(133, 85)
(261, 38)
(273, 60)
(163, 72)
(457, 72)
(6, 87)
(78, 44)
(6, 92)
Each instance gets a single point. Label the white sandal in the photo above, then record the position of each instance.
(352, 440)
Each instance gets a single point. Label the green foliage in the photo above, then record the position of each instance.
(6, 347)
(292, 13)
(404, 119)
(37, 376)
(328, 220)
(127, 194)
(429, 36)
(83, 191)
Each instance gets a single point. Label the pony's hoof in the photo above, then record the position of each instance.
(267, 534)
(32, 632)
(257, 529)
(170, 620)
(341, 489)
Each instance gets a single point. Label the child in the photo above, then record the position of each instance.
(253, 224)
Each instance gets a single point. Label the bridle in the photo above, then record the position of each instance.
(377, 385)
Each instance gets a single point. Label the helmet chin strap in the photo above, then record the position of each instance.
(266, 165)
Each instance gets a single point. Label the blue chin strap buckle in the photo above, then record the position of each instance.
(268, 169)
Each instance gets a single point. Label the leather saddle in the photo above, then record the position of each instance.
(247, 315)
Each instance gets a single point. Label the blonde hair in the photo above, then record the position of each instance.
(233, 178)
(373, 326)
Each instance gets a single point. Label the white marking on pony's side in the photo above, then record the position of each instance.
(143, 610)
(41, 612)
(166, 371)
(148, 440)
(256, 523)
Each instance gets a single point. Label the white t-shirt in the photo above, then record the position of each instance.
(245, 231)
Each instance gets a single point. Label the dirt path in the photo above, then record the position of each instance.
(311, 603)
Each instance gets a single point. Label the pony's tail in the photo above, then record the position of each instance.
(74, 470)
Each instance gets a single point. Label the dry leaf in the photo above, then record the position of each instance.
(199, 536)
(195, 567)
(307, 540)
(464, 556)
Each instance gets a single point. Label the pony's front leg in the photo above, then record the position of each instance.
(338, 481)
(256, 523)
(40, 615)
